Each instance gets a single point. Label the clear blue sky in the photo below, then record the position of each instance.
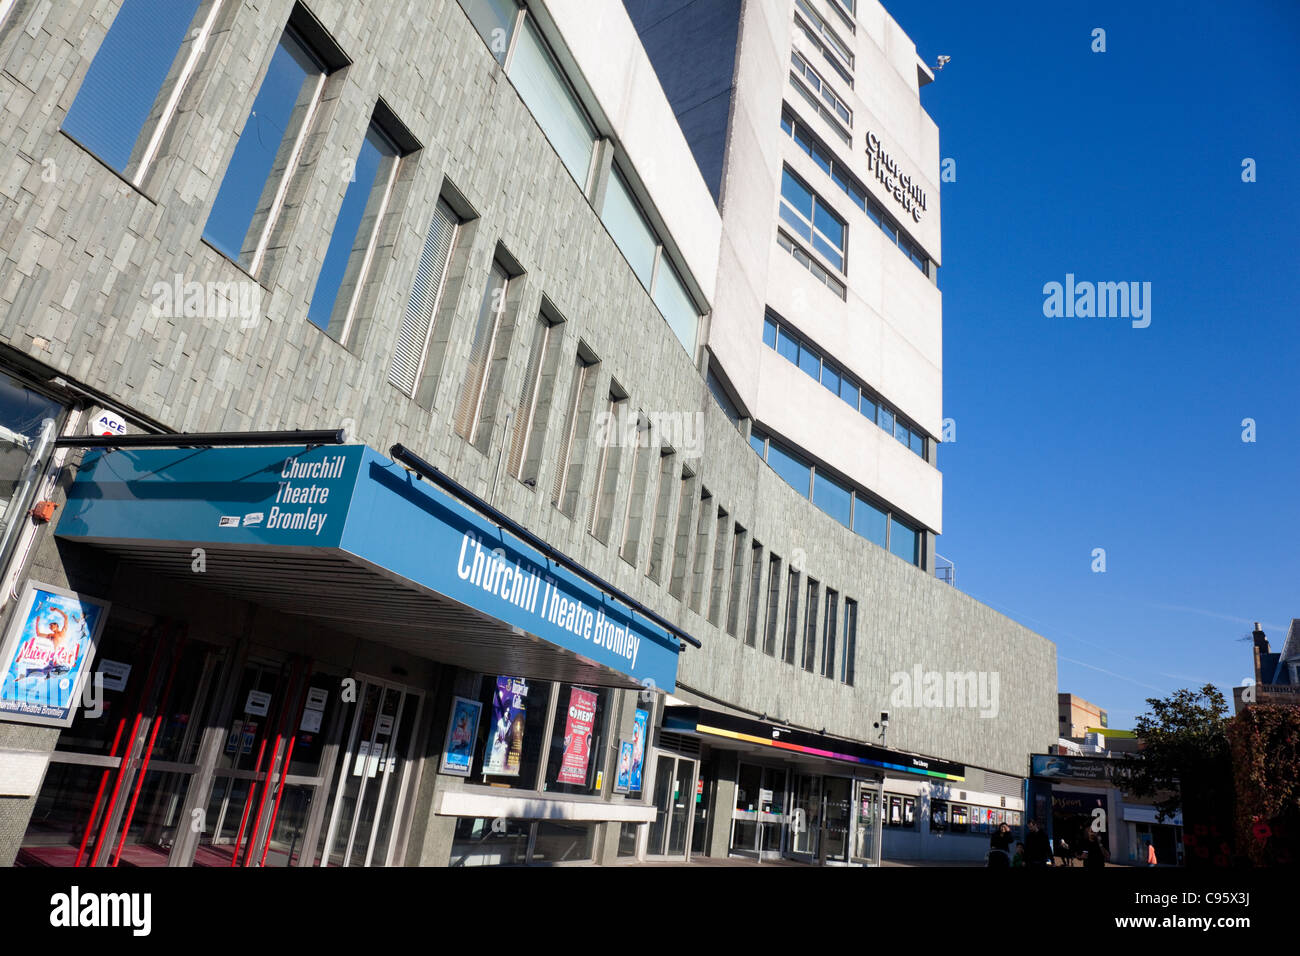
(1083, 433)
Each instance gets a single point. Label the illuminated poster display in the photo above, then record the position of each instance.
(578, 724)
(506, 745)
(46, 655)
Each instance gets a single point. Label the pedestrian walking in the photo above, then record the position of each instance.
(1038, 851)
(1096, 850)
(1000, 847)
(1151, 853)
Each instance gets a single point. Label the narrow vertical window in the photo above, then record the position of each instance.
(829, 638)
(642, 468)
(568, 468)
(482, 346)
(607, 471)
(132, 88)
(703, 532)
(755, 593)
(737, 596)
(850, 641)
(681, 552)
(417, 321)
(720, 567)
(529, 419)
(355, 234)
(791, 616)
(663, 508)
(257, 179)
(773, 621)
(810, 628)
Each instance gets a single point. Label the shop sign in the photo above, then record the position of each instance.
(1056, 766)
(462, 731)
(108, 423)
(578, 725)
(906, 192)
(46, 654)
(366, 509)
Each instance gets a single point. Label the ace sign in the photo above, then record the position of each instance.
(107, 423)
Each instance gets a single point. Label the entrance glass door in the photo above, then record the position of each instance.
(758, 821)
(249, 792)
(806, 816)
(117, 782)
(372, 776)
(674, 792)
(836, 813)
(866, 821)
(700, 800)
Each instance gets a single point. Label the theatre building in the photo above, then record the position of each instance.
(454, 433)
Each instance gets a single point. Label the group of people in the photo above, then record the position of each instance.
(1036, 849)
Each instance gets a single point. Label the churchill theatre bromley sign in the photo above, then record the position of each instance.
(906, 192)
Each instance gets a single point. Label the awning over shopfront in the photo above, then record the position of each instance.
(715, 725)
(344, 535)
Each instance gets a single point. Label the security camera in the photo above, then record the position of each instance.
(943, 61)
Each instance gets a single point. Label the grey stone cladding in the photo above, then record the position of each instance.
(81, 249)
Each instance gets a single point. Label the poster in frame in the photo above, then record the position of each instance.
(639, 721)
(462, 732)
(623, 779)
(47, 652)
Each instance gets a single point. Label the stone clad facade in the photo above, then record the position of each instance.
(84, 254)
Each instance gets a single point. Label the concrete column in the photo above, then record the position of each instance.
(726, 765)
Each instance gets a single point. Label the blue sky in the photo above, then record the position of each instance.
(1082, 433)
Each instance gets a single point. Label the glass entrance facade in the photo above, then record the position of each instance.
(224, 755)
(813, 818)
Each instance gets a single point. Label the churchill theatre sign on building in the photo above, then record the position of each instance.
(897, 183)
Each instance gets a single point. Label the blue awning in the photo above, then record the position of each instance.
(343, 534)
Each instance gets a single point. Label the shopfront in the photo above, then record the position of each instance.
(274, 667)
(798, 795)
(226, 754)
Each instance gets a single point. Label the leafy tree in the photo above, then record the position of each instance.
(1265, 742)
(1187, 765)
